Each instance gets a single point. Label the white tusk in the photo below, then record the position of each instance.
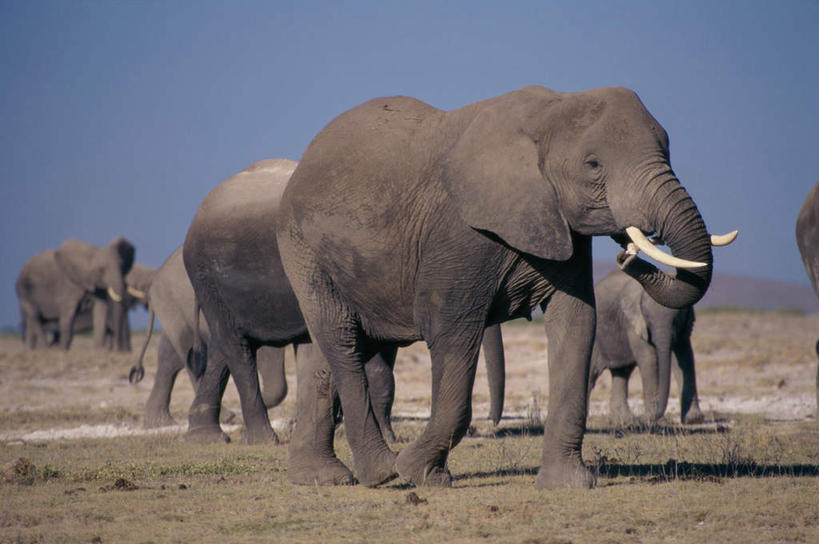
(113, 294)
(724, 239)
(136, 293)
(658, 255)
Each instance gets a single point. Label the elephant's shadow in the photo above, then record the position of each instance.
(669, 471)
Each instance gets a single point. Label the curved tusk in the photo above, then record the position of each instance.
(645, 245)
(113, 294)
(724, 239)
(136, 293)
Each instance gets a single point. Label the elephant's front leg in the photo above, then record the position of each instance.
(454, 361)
(684, 373)
(618, 401)
(570, 325)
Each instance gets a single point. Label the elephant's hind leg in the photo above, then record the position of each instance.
(203, 418)
(157, 413)
(454, 362)
(312, 457)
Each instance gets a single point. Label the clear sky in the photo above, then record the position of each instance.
(117, 118)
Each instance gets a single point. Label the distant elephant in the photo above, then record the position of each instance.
(55, 285)
(403, 222)
(232, 260)
(633, 330)
(807, 238)
(98, 308)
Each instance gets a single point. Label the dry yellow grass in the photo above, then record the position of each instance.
(747, 475)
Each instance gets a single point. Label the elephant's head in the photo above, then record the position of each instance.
(534, 165)
(100, 270)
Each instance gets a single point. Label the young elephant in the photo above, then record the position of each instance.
(633, 330)
(55, 285)
(404, 222)
(232, 259)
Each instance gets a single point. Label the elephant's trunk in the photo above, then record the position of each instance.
(656, 404)
(674, 217)
(495, 370)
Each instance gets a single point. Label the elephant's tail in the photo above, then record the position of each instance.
(199, 353)
(138, 370)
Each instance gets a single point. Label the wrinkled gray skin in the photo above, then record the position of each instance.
(170, 298)
(55, 285)
(807, 238)
(403, 223)
(232, 259)
(634, 331)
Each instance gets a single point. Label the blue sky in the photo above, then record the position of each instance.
(117, 118)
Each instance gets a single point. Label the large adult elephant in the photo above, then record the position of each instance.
(232, 260)
(403, 222)
(633, 330)
(807, 238)
(55, 285)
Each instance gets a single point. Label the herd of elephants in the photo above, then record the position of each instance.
(405, 223)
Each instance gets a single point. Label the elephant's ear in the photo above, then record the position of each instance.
(78, 261)
(125, 253)
(632, 309)
(493, 176)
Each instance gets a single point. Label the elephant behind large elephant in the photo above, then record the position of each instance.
(807, 238)
(633, 330)
(232, 260)
(55, 284)
(403, 222)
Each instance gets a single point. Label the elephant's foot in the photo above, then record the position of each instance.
(624, 418)
(693, 416)
(160, 419)
(315, 470)
(262, 435)
(378, 469)
(566, 473)
(412, 466)
(206, 435)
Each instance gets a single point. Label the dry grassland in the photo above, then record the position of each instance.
(78, 468)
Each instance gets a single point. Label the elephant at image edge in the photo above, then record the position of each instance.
(55, 284)
(137, 282)
(403, 222)
(807, 238)
(170, 298)
(233, 263)
(633, 330)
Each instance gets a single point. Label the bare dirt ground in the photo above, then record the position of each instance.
(77, 466)
(747, 363)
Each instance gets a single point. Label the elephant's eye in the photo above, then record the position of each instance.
(593, 163)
